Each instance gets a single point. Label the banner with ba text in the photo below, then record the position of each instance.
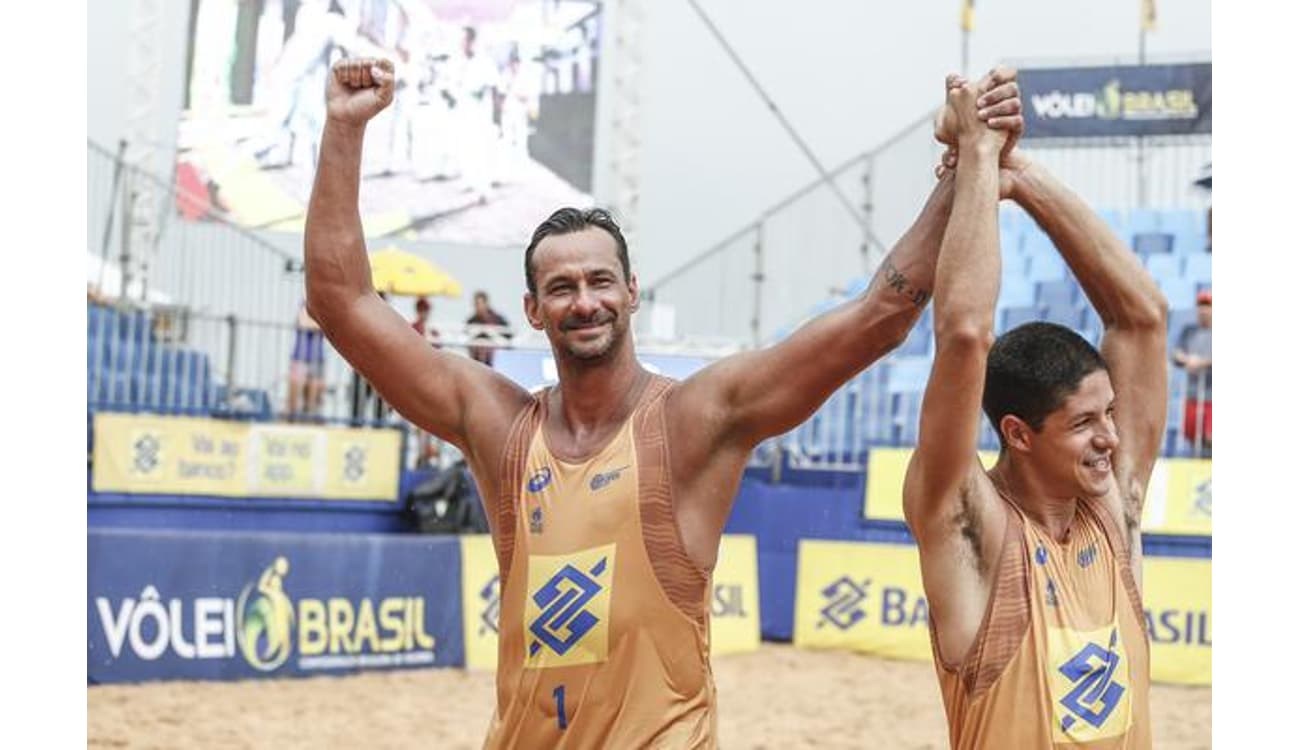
(153, 454)
(869, 598)
(165, 605)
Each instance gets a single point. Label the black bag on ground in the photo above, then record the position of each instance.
(447, 504)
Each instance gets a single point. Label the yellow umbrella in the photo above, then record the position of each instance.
(405, 274)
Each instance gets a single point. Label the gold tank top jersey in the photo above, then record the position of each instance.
(604, 618)
(1062, 658)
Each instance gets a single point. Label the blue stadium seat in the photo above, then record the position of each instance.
(906, 417)
(1183, 221)
(1153, 243)
(1015, 316)
(1197, 267)
(1036, 243)
(1058, 292)
(1179, 291)
(1069, 315)
(908, 373)
(917, 342)
(1017, 290)
(1190, 243)
(1164, 266)
(1046, 267)
(1143, 220)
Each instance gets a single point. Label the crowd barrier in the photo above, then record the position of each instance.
(1178, 502)
(235, 605)
(159, 455)
(165, 605)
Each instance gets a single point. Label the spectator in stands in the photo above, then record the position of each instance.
(1192, 354)
(421, 324)
(427, 451)
(484, 315)
(306, 367)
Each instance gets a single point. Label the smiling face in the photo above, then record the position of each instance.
(582, 301)
(1071, 453)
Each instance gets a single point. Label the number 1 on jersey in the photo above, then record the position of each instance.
(559, 707)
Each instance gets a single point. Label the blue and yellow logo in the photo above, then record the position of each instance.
(265, 618)
(567, 611)
(1090, 701)
(845, 598)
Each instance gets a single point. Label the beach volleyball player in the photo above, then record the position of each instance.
(1032, 568)
(607, 494)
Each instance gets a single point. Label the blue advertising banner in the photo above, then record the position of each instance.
(208, 605)
(1117, 101)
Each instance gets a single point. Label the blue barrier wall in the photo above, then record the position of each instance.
(232, 605)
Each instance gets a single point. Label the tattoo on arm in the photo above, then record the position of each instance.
(894, 279)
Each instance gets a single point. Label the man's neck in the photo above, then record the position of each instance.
(591, 396)
(1024, 487)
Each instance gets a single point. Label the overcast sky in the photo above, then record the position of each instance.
(847, 74)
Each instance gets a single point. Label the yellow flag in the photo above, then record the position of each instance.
(967, 15)
(1148, 15)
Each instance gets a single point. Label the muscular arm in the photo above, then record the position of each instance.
(762, 393)
(717, 416)
(1134, 314)
(452, 397)
(947, 500)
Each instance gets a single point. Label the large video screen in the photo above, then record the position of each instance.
(491, 128)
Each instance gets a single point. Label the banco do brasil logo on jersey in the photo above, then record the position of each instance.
(265, 619)
(567, 612)
(1091, 702)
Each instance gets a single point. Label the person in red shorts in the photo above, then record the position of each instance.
(1193, 355)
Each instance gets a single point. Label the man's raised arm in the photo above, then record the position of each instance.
(966, 289)
(452, 397)
(1134, 314)
(759, 394)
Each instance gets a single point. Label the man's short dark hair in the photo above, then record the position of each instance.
(1032, 369)
(568, 220)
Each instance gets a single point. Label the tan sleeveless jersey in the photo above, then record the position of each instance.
(604, 619)
(1062, 658)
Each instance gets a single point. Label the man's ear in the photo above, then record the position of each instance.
(635, 289)
(1016, 433)
(531, 311)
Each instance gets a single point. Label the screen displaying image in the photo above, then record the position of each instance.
(491, 125)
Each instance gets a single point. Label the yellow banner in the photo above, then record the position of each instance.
(281, 460)
(1178, 496)
(362, 464)
(480, 599)
(169, 455)
(886, 468)
(150, 454)
(734, 625)
(868, 597)
(1176, 597)
(863, 597)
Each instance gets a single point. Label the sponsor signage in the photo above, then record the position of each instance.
(151, 454)
(189, 605)
(1122, 100)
